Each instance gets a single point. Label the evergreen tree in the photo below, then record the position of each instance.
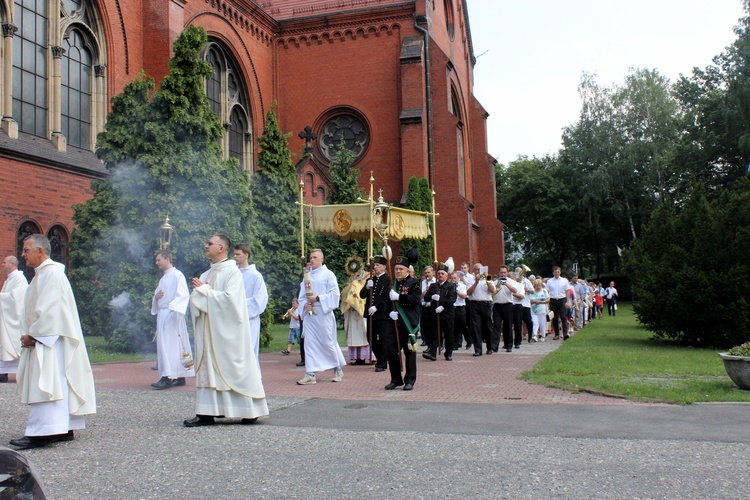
(686, 273)
(419, 197)
(275, 192)
(163, 158)
(344, 190)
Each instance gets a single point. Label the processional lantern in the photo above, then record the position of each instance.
(165, 234)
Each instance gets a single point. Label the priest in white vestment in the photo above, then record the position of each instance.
(169, 305)
(228, 382)
(54, 373)
(256, 293)
(11, 307)
(319, 296)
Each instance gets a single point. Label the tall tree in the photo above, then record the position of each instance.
(344, 190)
(539, 210)
(419, 197)
(163, 158)
(275, 191)
(716, 115)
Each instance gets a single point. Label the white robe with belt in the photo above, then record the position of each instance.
(171, 329)
(54, 376)
(322, 350)
(256, 297)
(227, 376)
(11, 308)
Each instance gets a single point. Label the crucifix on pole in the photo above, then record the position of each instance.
(308, 135)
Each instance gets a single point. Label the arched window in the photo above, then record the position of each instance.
(24, 231)
(58, 241)
(460, 143)
(228, 98)
(75, 94)
(30, 67)
(57, 51)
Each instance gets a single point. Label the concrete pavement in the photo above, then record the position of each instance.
(469, 429)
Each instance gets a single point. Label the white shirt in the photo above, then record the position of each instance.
(557, 287)
(481, 293)
(460, 288)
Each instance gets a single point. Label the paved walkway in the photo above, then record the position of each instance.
(466, 379)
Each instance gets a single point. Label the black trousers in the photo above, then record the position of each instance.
(409, 359)
(518, 324)
(376, 338)
(301, 341)
(506, 316)
(558, 307)
(528, 322)
(497, 326)
(461, 327)
(446, 335)
(611, 303)
(481, 323)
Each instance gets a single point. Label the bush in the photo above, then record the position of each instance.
(690, 272)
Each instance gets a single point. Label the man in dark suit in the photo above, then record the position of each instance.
(407, 295)
(377, 307)
(442, 295)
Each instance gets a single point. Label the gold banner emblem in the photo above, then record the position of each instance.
(342, 221)
(398, 227)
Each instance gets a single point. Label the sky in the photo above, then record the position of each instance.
(531, 55)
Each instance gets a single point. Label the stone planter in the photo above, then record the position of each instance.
(738, 369)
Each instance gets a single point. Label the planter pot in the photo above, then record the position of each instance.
(738, 369)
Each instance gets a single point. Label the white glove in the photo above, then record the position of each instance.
(369, 284)
(372, 310)
(436, 297)
(393, 295)
(439, 309)
(393, 315)
(425, 304)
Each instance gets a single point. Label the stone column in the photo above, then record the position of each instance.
(9, 125)
(99, 106)
(58, 139)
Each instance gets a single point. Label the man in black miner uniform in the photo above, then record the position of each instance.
(441, 295)
(407, 296)
(378, 306)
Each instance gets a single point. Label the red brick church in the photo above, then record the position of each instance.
(394, 78)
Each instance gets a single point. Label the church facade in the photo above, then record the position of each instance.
(391, 78)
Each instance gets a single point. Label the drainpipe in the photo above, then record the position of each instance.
(417, 21)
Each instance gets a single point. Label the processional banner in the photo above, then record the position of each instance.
(353, 222)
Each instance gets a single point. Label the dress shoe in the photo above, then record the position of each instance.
(566, 337)
(178, 382)
(556, 337)
(199, 421)
(448, 357)
(379, 369)
(392, 386)
(28, 442)
(518, 346)
(408, 387)
(469, 346)
(301, 363)
(509, 349)
(249, 421)
(429, 355)
(477, 354)
(489, 351)
(163, 383)
(4, 378)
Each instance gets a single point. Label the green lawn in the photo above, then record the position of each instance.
(99, 352)
(280, 335)
(616, 356)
